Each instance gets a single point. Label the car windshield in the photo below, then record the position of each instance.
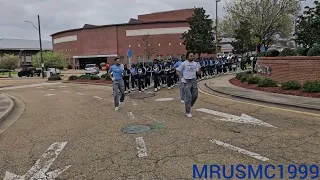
(90, 65)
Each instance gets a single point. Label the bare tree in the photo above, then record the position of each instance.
(148, 49)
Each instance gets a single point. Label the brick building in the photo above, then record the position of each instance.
(96, 44)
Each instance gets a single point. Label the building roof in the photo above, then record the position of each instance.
(23, 44)
(133, 21)
(123, 24)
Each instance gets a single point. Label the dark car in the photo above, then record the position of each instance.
(29, 72)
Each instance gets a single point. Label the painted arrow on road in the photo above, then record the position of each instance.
(238, 119)
(42, 165)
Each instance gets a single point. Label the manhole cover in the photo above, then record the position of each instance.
(136, 129)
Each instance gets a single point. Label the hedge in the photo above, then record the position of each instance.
(291, 85)
(267, 82)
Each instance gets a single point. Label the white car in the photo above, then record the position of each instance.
(92, 69)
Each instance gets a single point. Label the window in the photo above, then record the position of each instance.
(139, 59)
(149, 59)
(159, 57)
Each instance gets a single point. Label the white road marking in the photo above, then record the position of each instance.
(134, 103)
(51, 89)
(243, 151)
(42, 165)
(237, 119)
(39, 87)
(49, 95)
(80, 94)
(66, 91)
(29, 85)
(141, 146)
(131, 116)
(97, 97)
(62, 86)
(164, 99)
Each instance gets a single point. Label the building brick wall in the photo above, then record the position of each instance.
(176, 15)
(300, 68)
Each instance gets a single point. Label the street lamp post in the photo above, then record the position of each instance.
(40, 41)
(217, 27)
(295, 20)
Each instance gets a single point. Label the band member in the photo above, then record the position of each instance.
(224, 64)
(156, 68)
(168, 68)
(126, 79)
(162, 73)
(189, 70)
(133, 71)
(211, 66)
(141, 72)
(148, 75)
(116, 74)
(176, 65)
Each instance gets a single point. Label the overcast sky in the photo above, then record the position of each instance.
(59, 15)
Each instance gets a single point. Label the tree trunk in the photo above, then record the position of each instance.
(258, 48)
(9, 73)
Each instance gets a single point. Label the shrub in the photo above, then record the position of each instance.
(269, 53)
(69, 66)
(84, 77)
(73, 77)
(94, 77)
(314, 51)
(249, 72)
(287, 52)
(311, 86)
(244, 77)
(291, 85)
(108, 78)
(239, 75)
(253, 80)
(54, 77)
(267, 82)
(301, 51)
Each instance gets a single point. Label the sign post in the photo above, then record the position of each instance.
(130, 54)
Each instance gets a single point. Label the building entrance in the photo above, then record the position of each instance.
(97, 61)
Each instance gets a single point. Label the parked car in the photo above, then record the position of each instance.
(29, 72)
(92, 69)
(52, 71)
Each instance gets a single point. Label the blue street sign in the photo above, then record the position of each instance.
(129, 53)
(262, 48)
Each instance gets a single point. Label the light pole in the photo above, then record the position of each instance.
(295, 21)
(39, 30)
(217, 27)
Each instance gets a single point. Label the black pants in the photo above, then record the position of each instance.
(141, 79)
(175, 78)
(126, 83)
(170, 79)
(163, 79)
(147, 81)
(133, 81)
(156, 79)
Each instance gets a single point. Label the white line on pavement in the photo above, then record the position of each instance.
(131, 116)
(49, 95)
(134, 103)
(141, 146)
(51, 89)
(42, 165)
(62, 86)
(164, 99)
(234, 148)
(66, 91)
(80, 94)
(97, 97)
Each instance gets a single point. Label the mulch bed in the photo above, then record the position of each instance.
(278, 90)
(98, 82)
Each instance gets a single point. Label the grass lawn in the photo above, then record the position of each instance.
(6, 74)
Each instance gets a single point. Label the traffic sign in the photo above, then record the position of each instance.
(129, 53)
(262, 48)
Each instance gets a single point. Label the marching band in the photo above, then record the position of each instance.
(163, 72)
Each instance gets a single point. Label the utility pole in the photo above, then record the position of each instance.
(217, 41)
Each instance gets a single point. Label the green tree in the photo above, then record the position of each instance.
(10, 62)
(50, 59)
(308, 27)
(200, 37)
(268, 19)
(244, 39)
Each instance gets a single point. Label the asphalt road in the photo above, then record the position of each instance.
(83, 117)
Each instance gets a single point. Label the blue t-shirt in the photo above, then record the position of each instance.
(188, 69)
(133, 71)
(117, 72)
(176, 65)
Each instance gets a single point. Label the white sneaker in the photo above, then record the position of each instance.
(125, 92)
(155, 89)
(169, 88)
(189, 115)
(116, 109)
(132, 89)
(182, 101)
(142, 90)
(139, 91)
(159, 88)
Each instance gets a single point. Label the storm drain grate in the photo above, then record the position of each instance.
(136, 129)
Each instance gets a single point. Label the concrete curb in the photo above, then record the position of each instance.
(10, 108)
(260, 100)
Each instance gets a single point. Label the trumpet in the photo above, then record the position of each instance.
(155, 69)
(140, 71)
(166, 69)
(148, 69)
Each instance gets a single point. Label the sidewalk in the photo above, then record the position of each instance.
(6, 106)
(222, 85)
